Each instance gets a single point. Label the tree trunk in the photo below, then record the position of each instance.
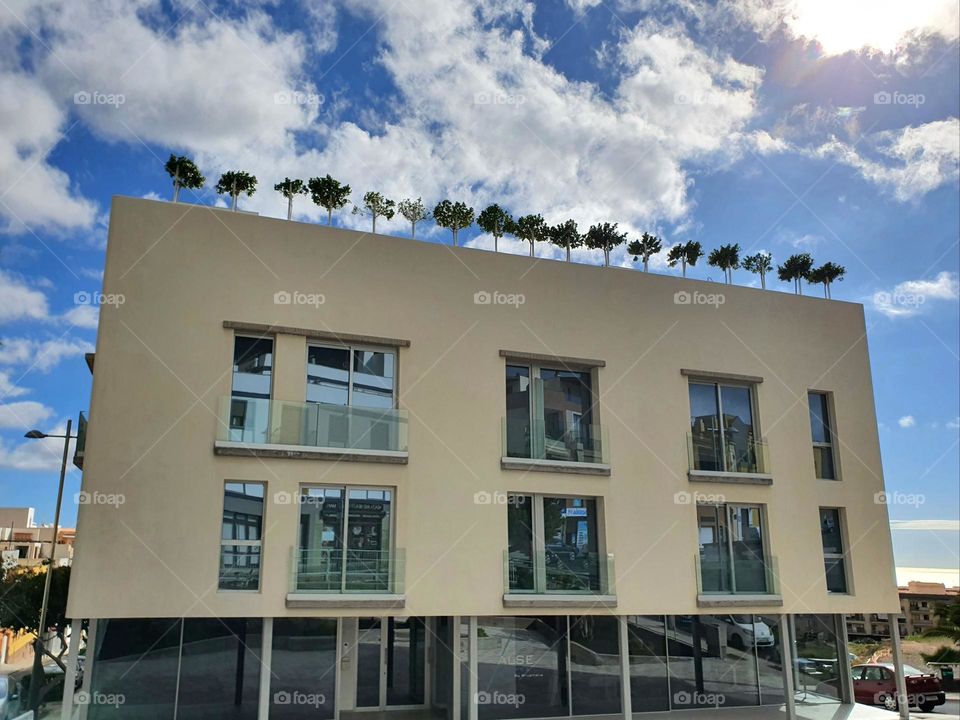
(233, 203)
(683, 266)
(646, 263)
(413, 230)
(374, 223)
(799, 286)
(568, 251)
(329, 216)
(606, 257)
(826, 291)
(290, 208)
(763, 281)
(176, 186)
(495, 243)
(456, 232)
(234, 194)
(531, 248)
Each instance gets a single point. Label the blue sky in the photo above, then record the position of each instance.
(781, 125)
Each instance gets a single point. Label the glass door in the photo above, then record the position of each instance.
(748, 558)
(391, 662)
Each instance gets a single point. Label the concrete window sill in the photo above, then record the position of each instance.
(306, 452)
(325, 600)
(523, 600)
(574, 468)
(707, 476)
(728, 601)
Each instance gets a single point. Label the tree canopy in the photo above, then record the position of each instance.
(185, 174)
(604, 236)
(496, 221)
(235, 182)
(329, 194)
(646, 247)
(378, 206)
(455, 216)
(727, 258)
(795, 268)
(531, 229)
(566, 235)
(21, 594)
(414, 211)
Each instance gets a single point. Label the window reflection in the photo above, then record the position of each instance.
(722, 433)
(250, 396)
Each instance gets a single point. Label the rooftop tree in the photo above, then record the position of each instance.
(184, 173)
(454, 216)
(795, 268)
(377, 205)
(826, 275)
(727, 258)
(532, 229)
(329, 194)
(566, 235)
(235, 182)
(760, 264)
(496, 221)
(647, 246)
(414, 211)
(604, 236)
(290, 189)
(686, 254)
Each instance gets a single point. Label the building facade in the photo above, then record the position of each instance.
(918, 607)
(25, 544)
(365, 474)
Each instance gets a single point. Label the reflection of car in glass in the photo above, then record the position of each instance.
(743, 632)
(876, 684)
(15, 692)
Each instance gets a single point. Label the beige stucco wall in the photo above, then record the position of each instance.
(164, 362)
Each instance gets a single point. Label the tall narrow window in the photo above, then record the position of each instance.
(241, 537)
(733, 556)
(550, 415)
(834, 557)
(250, 397)
(822, 433)
(723, 433)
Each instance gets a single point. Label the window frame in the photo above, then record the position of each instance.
(390, 535)
(351, 349)
(242, 543)
(539, 546)
(764, 537)
(717, 382)
(831, 422)
(273, 355)
(844, 556)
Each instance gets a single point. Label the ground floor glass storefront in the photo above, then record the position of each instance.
(458, 668)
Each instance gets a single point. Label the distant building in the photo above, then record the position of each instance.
(918, 602)
(22, 540)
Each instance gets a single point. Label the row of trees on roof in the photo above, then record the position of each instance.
(331, 195)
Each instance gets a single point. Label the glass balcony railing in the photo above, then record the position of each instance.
(261, 421)
(564, 573)
(708, 452)
(347, 571)
(537, 440)
(739, 576)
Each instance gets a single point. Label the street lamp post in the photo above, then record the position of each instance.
(36, 677)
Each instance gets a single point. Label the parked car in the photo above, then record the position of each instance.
(876, 684)
(15, 692)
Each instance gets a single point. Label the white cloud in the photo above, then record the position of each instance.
(936, 525)
(33, 192)
(18, 301)
(41, 355)
(954, 424)
(915, 160)
(24, 415)
(907, 421)
(8, 389)
(92, 273)
(909, 298)
(83, 316)
(45, 454)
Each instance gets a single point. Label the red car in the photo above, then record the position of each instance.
(875, 684)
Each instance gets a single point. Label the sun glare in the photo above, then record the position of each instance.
(842, 25)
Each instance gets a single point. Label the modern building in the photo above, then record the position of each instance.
(918, 607)
(366, 476)
(25, 543)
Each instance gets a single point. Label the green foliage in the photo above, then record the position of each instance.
(943, 654)
(185, 174)
(727, 258)
(646, 247)
(235, 182)
(378, 206)
(604, 236)
(291, 188)
(414, 211)
(329, 194)
(685, 254)
(760, 263)
(531, 229)
(948, 621)
(496, 221)
(795, 268)
(22, 593)
(454, 216)
(565, 235)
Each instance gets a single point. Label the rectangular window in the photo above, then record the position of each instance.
(345, 542)
(723, 433)
(550, 415)
(351, 376)
(733, 556)
(250, 397)
(822, 433)
(241, 537)
(553, 545)
(834, 557)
